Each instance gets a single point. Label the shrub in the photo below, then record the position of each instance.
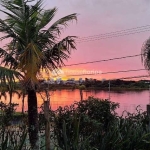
(94, 115)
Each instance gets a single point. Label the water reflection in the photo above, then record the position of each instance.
(128, 100)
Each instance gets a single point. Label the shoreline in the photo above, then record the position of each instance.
(59, 87)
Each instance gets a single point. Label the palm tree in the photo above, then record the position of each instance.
(8, 82)
(34, 45)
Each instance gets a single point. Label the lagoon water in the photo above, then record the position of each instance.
(128, 100)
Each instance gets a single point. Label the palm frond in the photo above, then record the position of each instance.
(8, 59)
(61, 51)
(37, 7)
(3, 94)
(7, 30)
(145, 54)
(46, 17)
(9, 76)
(57, 26)
(30, 62)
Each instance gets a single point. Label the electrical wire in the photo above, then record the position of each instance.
(111, 36)
(114, 34)
(120, 31)
(115, 58)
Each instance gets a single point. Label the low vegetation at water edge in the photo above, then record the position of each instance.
(90, 124)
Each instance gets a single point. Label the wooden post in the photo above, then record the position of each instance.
(47, 125)
(148, 113)
(81, 94)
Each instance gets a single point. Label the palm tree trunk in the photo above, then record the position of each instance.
(33, 119)
(10, 99)
(23, 103)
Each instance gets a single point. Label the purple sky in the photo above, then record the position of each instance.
(104, 16)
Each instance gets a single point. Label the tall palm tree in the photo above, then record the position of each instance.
(34, 45)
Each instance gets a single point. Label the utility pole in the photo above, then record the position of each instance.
(148, 108)
(109, 90)
(149, 94)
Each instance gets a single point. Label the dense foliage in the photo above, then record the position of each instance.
(93, 124)
(90, 124)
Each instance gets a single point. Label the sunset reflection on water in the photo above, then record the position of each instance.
(128, 100)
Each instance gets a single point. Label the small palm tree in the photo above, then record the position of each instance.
(8, 82)
(34, 45)
(11, 89)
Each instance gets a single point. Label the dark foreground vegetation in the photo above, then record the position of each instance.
(86, 125)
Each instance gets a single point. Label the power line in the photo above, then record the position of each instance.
(116, 32)
(116, 58)
(110, 36)
(122, 71)
(112, 72)
(132, 77)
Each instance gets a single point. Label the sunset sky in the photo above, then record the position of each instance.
(104, 16)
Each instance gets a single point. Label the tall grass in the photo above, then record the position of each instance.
(12, 137)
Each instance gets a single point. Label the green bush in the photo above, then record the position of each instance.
(93, 124)
(90, 124)
(94, 114)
